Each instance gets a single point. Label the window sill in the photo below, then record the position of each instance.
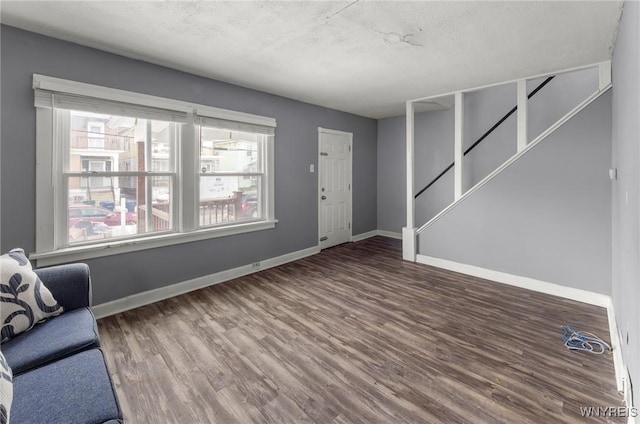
(79, 253)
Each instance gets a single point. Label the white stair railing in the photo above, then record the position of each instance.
(410, 232)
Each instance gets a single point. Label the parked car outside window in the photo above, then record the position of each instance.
(96, 214)
(250, 205)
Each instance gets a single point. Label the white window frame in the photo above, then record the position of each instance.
(51, 154)
(262, 146)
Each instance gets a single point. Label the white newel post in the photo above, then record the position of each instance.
(409, 244)
(409, 232)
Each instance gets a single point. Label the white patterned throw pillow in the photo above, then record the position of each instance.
(6, 390)
(25, 300)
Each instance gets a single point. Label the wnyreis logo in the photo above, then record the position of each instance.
(608, 411)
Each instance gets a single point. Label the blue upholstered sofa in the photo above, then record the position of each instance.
(60, 374)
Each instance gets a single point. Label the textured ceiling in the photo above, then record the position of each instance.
(363, 57)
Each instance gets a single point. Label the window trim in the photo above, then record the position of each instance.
(98, 250)
(52, 84)
(51, 157)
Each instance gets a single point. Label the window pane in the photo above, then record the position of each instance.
(159, 218)
(102, 143)
(229, 199)
(162, 134)
(229, 151)
(117, 208)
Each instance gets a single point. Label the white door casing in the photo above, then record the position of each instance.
(334, 187)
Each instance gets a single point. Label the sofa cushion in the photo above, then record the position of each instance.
(55, 338)
(6, 390)
(25, 299)
(76, 389)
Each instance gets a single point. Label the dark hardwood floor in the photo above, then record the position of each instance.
(356, 335)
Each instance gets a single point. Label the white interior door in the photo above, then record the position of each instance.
(334, 189)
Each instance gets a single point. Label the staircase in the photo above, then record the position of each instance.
(542, 218)
(542, 86)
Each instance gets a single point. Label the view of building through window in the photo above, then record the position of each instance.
(230, 175)
(120, 198)
(121, 173)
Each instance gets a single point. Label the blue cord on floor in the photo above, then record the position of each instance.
(582, 340)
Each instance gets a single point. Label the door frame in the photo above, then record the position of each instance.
(321, 131)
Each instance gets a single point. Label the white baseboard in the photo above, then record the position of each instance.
(515, 280)
(390, 234)
(554, 289)
(363, 236)
(145, 298)
(374, 233)
(629, 402)
(616, 343)
(622, 373)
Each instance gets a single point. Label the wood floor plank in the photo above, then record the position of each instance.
(356, 335)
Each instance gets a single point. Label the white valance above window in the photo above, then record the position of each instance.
(50, 99)
(50, 92)
(236, 126)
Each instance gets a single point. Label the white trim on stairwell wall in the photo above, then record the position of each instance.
(622, 373)
(554, 289)
(618, 362)
(593, 97)
(151, 296)
(602, 70)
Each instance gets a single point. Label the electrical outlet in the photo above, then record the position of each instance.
(255, 265)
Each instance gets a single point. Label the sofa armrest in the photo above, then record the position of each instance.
(70, 284)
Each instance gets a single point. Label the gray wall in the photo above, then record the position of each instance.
(434, 140)
(545, 217)
(434, 134)
(626, 190)
(485, 107)
(558, 97)
(433, 153)
(482, 110)
(24, 53)
(392, 204)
